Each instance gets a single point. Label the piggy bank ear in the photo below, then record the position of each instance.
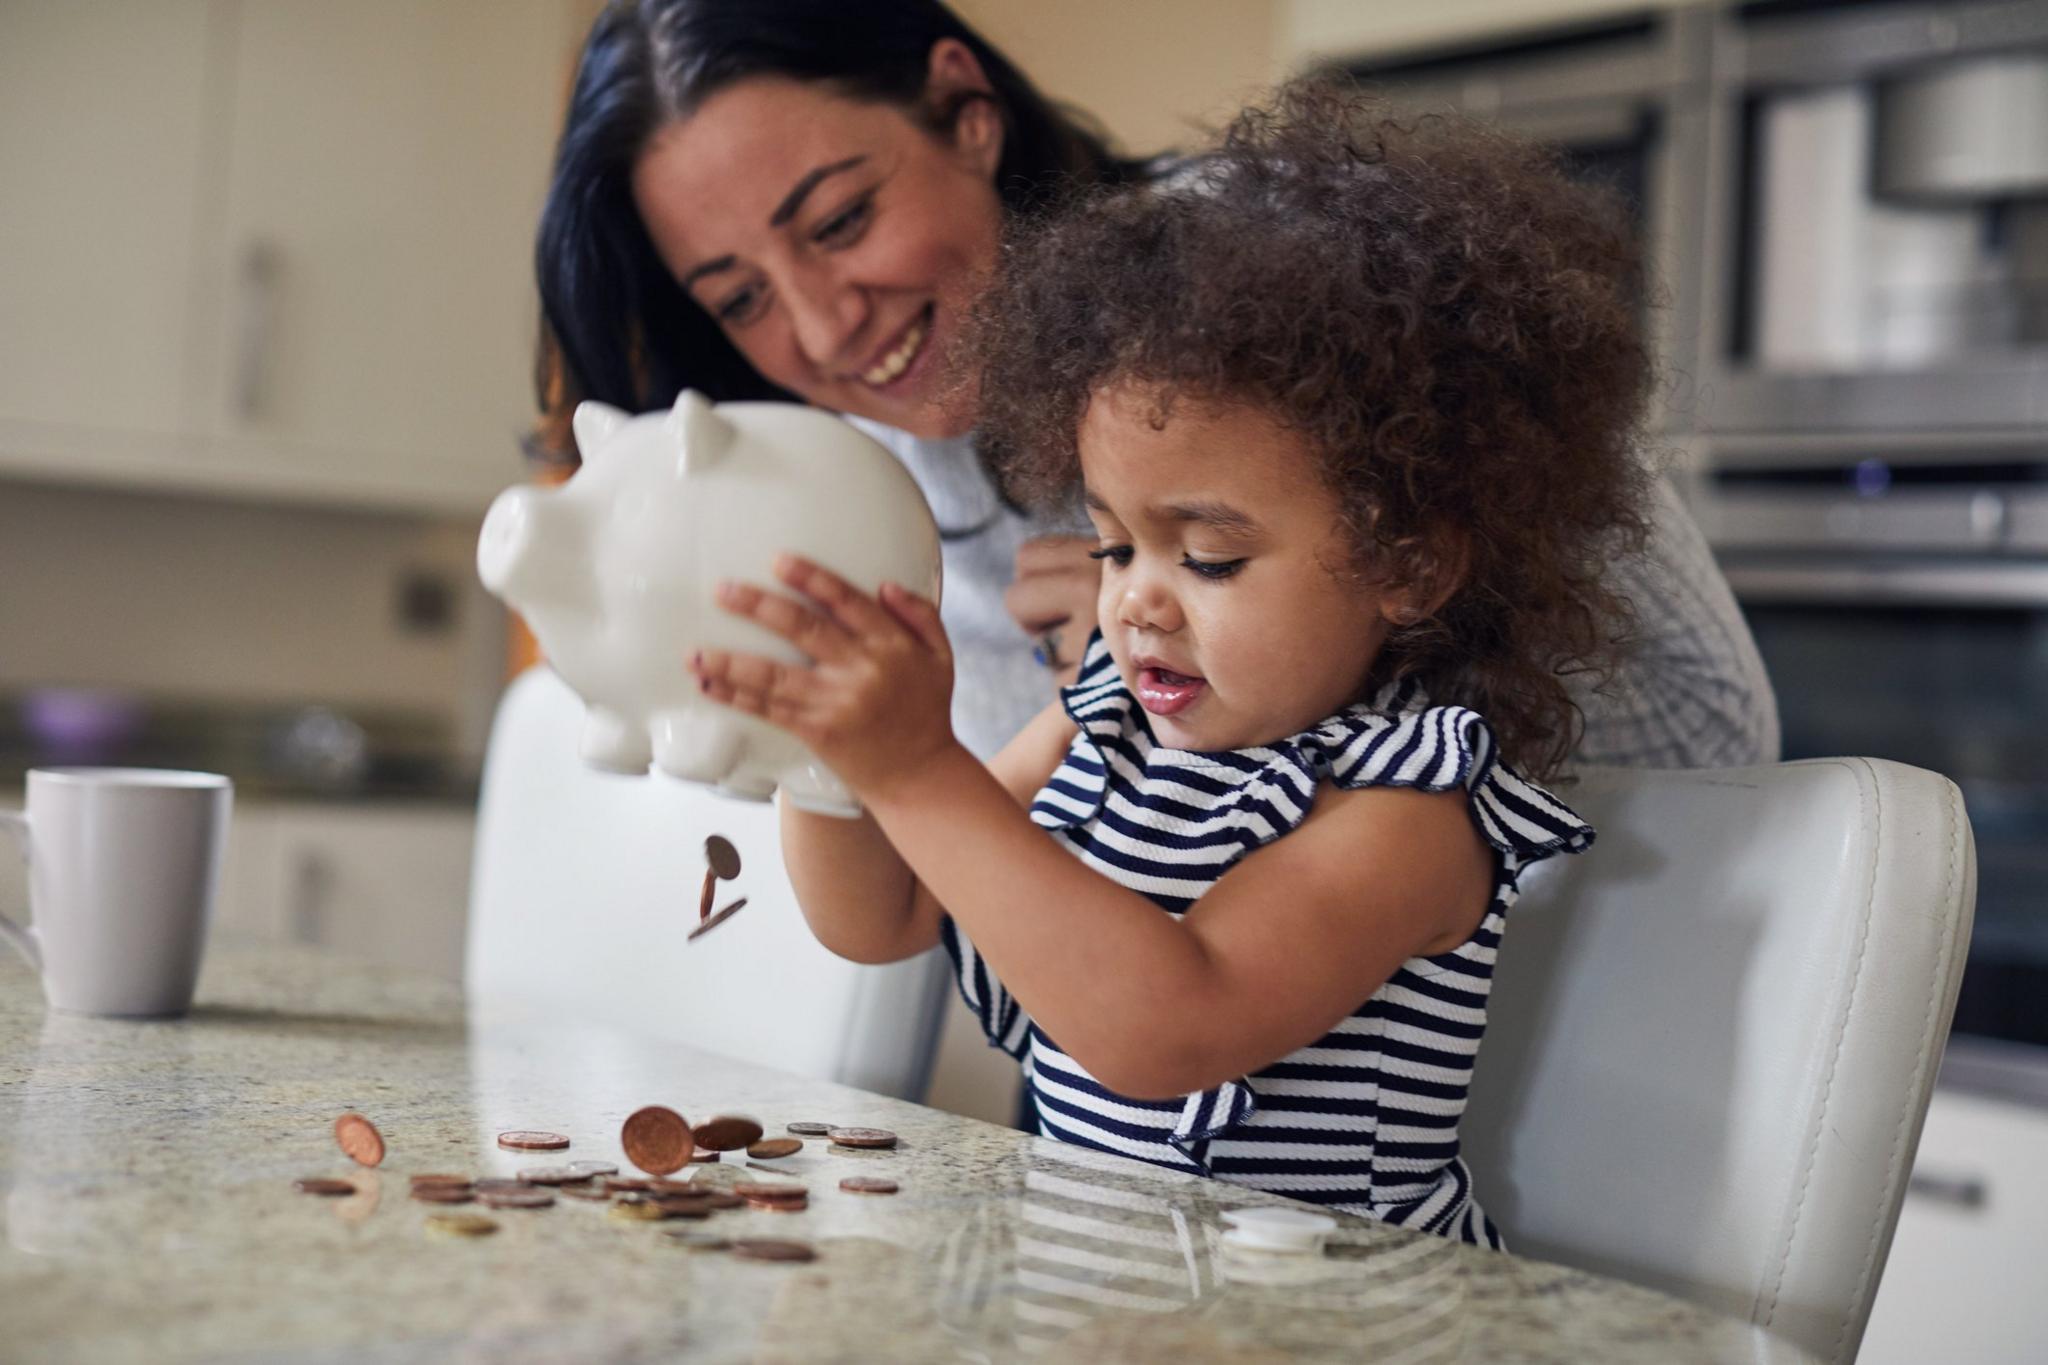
(704, 435)
(594, 424)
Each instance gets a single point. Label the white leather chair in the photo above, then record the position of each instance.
(1713, 1037)
(585, 884)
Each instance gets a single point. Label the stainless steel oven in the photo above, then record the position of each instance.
(1900, 601)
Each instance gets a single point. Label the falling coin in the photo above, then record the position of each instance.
(727, 1133)
(360, 1139)
(772, 1249)
(594, 1167)
(527, 1140)
(811, 1129)
(461, 1225)
(657, 1140)
(723, 857)
(705, 1157)
(721, 917)
(767, 1149)
(867, 1184)
(863, 1137)
(516, 1199)
(322, 1185)
(444, 1194)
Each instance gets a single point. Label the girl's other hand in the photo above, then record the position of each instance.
(876, 701)
(1054, 593)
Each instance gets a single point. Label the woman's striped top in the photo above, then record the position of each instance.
(1366, 1118)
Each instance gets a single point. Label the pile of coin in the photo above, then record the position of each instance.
(657, 1140)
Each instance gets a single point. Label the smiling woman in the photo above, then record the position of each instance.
(767, 199)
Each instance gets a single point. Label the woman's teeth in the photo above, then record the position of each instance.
(892, 365)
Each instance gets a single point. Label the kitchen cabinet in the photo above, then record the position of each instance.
(386, 883)
(277, 249)
(1963, 1281)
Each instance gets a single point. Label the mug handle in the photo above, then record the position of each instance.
(16, 822)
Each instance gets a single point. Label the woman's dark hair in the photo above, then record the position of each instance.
(615, 326)
(1449, 325)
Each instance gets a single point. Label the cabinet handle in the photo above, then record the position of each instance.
(1961, 1191)
(309, 899)
(258, 294)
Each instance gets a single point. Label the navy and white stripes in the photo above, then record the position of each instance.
(1366, 1118)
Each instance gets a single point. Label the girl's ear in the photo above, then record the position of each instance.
(958, 89)
(1436, 568)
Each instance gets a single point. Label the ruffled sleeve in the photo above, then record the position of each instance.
(1393, 743)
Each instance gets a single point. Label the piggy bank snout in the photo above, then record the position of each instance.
(513, 546)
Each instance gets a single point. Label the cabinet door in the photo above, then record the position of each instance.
(375, 281)
(384, 884)
(102, 173)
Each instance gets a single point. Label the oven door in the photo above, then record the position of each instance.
(1941, 662)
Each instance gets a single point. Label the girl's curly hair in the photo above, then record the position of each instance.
(1450, 323)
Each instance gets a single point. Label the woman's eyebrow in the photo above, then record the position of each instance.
(794, 200)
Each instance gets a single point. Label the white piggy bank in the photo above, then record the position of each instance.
(614, 572)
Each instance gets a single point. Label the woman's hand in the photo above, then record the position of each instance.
(1053, 598)
(876, 701)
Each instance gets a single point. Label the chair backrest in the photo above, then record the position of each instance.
(585, 884)
(1712, 1038)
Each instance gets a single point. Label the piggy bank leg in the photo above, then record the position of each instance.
(697, 746)
(614, 743)
(816, 788)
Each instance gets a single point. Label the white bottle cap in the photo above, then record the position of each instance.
(1268, 1229)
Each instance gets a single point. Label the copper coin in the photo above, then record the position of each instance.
(723, 857)
(320, 1184)
(645, 1212)
(693, 1240)
(461, 1225)
(360, 1139)
(718, 1199)
(682, 1208)
(867, 1184)
(757, 1189)
(528, 1140)
(721, 917)
(500, 1183)
(443, 1194)
(432, 1179)
(516, 1199)
(727, 1133)
(779, 1205)
(551, 1175)
(657, 1140)
(767, 1149)
(704, 898)
(592, 1192)
(701, 1158)
(863, 1137)
(811, 1129)
(594, 1167)
(624, 1184)
(772, 1249)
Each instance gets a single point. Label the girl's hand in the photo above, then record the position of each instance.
(876, 701)
(1054, 595)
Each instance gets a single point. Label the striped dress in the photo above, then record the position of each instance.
(1365, 1119)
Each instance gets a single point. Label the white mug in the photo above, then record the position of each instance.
(122, 866)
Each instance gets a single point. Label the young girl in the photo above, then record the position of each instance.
(1352, 407)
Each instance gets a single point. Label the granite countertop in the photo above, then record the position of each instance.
(150, 1215)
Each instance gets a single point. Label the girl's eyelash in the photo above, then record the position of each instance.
(1213, 570)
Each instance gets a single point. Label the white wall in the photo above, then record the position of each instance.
(1309, 29)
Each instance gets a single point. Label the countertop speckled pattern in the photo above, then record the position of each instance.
(149, 1214)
